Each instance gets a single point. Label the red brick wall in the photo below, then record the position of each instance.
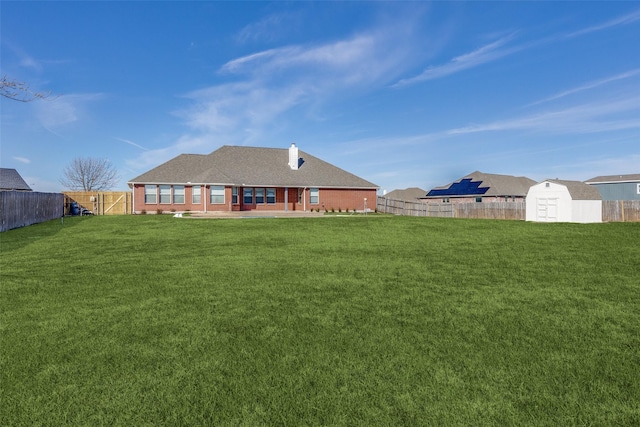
(345, 199)
(328, 198)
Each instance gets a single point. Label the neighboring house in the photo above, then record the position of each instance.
(563, 201)
(413, 194)
(617, 187)
(10, 180)
(250, 178)
(482, 187)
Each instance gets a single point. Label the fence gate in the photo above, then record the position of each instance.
(101, 203)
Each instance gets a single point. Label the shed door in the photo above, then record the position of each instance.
(547, 209)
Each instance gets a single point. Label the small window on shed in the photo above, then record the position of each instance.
(478, 199)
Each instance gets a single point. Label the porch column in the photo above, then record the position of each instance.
(286, 199)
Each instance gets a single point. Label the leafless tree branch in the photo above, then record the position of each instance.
(19, 91)
(89, 174)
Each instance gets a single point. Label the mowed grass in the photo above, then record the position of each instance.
(376, 320)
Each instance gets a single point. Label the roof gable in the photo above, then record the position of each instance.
(406, 194)
(251, 166)
(578, 189)
(10, 179)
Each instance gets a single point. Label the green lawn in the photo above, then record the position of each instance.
(363, 320)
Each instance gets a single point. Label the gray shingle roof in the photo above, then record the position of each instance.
(499, 185)
(579, 190)
(252, 167)
(412, 193)
(634, 177)
(10, 179)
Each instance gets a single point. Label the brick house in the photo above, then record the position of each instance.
(250, 178)
(481, 187)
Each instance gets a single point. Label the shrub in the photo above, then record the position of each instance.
(339, 210)
(143, 212)
(159, 211)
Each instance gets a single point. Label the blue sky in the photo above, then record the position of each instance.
(403, 94)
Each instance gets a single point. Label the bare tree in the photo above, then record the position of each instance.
(89, 174)
(19, 91)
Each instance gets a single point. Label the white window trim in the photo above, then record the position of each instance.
(267, 196)
(257, 194)
(173, 195)
(311, 196)
(155, 193)
(160, 195)
(199, 187)
(211, 195)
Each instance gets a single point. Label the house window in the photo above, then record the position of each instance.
(314, 196)
(478, 199)
(638, 189)
(247, 196)
(150, 194)
(234, 195)
(196, 194)
(271, 196)
(259, 196)
(217, 194)
(446, 200)
(178, 194)
(165, 194)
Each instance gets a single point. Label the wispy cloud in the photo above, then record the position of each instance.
(269, 28)
(274, 81)
(498, 49)
(126, 141)
(590, 85)
(22, 159)
(64, 110)
(484, 54)
(616, 22)
(588, 118)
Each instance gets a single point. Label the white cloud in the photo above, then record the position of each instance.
(587, 118)
(58, 112)
(22, 159)
(482, 55)
(589, 85)
(267, 29)
(623, 20)
(494, 51)
(131, 143)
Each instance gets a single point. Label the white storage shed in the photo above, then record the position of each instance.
(563, 201)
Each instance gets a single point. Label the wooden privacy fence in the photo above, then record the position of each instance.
(612, 210)
(100, 203)
(22, 208)
(492, 210)
(621, 210)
